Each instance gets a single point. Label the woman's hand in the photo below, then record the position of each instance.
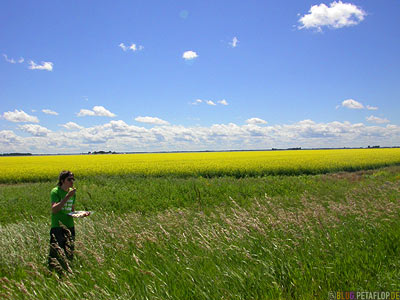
(71, 193)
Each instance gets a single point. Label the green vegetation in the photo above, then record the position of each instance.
(271, 237)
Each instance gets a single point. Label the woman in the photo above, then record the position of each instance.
(62, 233)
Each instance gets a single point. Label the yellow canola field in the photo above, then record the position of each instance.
(240, 164)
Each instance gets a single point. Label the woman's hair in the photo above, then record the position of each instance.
(64, 175)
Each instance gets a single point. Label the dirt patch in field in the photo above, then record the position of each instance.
(357, 176)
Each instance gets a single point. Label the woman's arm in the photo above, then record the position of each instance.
(56, 207)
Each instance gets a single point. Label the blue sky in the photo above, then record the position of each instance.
(78, 76)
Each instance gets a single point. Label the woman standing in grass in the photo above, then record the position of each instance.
(62, 233)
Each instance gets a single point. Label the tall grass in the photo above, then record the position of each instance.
(269, 247)
(147, 195)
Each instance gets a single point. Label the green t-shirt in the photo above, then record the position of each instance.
(58, 194)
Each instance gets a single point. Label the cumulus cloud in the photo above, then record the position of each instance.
(352, 104)
(210, 102)
(50, 112)
(255, 121)
(133, 47)
(189, 55)
(117, 135)
(337, 15)
(377, 120)
(19, 116)
(372, 107)
(123, 47)
(8, 137)
(72, 126)
(99, 111)
(151, 120)
(10, 60)
(85, 112)
(234, 42)
(46, 65)
(196, 102)
(34, 129)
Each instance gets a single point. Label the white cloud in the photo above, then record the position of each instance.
(85, 112)
(19, 116)
(46, 65)
(372, 107)
(151, 120)
(99, 111)
(123, 47)
(209, 102)
(198, 101)
(234, 42)
(377, 120)
(34, 129)
(12, 61)
(189, 55)
(255, 121)
(353, 104)
(337, 15)
(119, 136)
(8, 137)
(50, 112)
(72, 126)
(133, 47)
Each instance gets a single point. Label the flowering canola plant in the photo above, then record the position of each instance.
(207, 164)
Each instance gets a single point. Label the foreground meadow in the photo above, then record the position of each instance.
(219, 237)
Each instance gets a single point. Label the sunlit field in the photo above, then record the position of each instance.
(206, 164)
(236, 225)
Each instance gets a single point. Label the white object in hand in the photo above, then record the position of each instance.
(79, 214)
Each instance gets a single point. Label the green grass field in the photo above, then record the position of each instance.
(173, 237)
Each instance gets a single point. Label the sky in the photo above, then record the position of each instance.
(127, 76)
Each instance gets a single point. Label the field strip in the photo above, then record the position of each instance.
(207, 164)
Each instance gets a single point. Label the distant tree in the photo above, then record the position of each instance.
(16, 154)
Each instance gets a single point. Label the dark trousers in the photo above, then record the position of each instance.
(62, 241)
